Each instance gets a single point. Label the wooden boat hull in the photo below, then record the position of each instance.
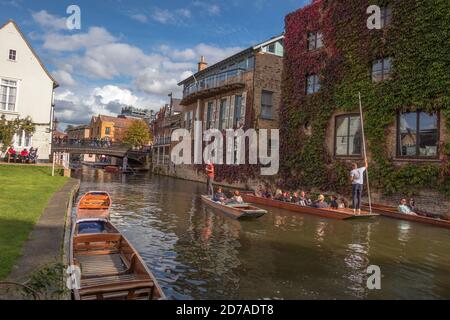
(112, 169)
(111, 268)
(236, 211)
(392, 212)
(341, 214)
(94, 204)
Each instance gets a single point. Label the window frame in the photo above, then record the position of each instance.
(346, 156)
(313, 37)
(223, 113)
(384, 15)
(383, 74)
(8, 90)
(398, 154)
(12, 53)
(315, 83)
(107, 131)
(261, 116)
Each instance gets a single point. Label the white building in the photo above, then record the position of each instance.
(26, 89)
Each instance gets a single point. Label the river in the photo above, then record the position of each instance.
(197, 253)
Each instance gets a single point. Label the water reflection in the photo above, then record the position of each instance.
(197, 253)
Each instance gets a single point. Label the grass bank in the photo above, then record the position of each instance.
(24, 193)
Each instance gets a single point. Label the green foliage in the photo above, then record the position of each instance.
(138, 134)
(8, 128)
(417, 40)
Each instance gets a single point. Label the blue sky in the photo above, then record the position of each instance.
(134, 52)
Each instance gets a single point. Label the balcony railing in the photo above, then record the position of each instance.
(215, 81)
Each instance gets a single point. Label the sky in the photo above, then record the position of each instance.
(131, 52)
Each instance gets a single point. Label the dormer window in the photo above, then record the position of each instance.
(315, 40)
(12, 55)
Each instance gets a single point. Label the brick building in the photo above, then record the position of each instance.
(330, 55)
(107, 127)
(167, 119)
(243, 90)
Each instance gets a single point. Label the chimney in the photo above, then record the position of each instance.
(202, 64)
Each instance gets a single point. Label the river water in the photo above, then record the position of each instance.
(197, 253)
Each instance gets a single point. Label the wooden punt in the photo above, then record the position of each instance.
(94, 204)
(111, 268)
(340, 214)
(240, 211)
(392, 212)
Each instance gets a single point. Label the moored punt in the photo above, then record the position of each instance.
(392, 212)
(111, 268)
(112, 169)
(237, 211)
(340, 214)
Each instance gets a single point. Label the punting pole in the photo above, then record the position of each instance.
(53, 165)
(365, 151)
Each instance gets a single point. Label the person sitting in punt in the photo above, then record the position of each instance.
(219, 196)
(267, 193)
(321, 203)
(278, 195)
(405, 209)
(236, 199)
(304, 200)
(413, 208)
(259, 191)
(343, 203)
(287, 196)
(334, 202)
(295, 197)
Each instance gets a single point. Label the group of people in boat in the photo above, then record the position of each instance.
(220, 196)
(23, 156)
(409, 207)
(301, 198)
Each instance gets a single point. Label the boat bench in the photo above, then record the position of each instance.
(128, 287)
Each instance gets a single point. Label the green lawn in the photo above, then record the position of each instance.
(24, 194)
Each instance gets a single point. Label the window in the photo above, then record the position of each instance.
(23, 140)
(188, 120)
(271, 48)
(223, 115)
(348, 136)
(418, 134)
(237, 111)
(381, 69)
(209, 115)
(8, 95)
(386, 14)
(266, 104)
(312, 84)
(315, 40)
(107, 131)
(12, 55)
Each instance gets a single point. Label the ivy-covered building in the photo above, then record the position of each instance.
(402, 71)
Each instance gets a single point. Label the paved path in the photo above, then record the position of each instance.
(45, 243)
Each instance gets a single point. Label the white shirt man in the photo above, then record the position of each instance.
(357, 178)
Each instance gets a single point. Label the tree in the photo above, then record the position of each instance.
(69, 127)
(138, 134)
(9, 128)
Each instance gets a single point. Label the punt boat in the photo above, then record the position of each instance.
(392, 212)
(340, 214)
(111, 268)
(237, 211)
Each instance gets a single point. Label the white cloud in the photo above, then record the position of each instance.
(211, 8)
(139, 17)
(163, 16)
(49, 21)
(184, 13)
(95, 36)
(64, 78)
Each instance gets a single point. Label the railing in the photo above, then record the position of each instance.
(215, 81)
(88, 143)
(162, 141)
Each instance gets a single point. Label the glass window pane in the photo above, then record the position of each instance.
(408, 134)
(355, 136)
(311, 41)
(341, 136)
(316, 83)
(428, 134)
(319, 40)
